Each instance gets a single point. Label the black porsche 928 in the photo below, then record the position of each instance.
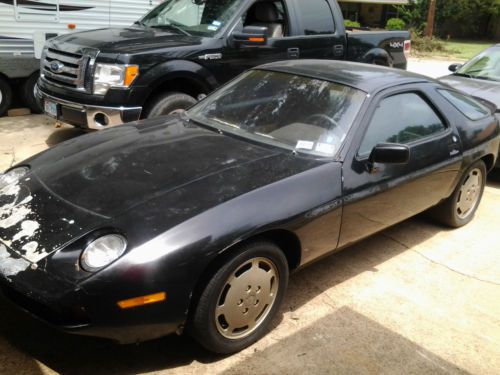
(194, 221)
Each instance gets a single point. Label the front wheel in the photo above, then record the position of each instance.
(29, 93)
(459, 209)
(242, 298)
(169, 103)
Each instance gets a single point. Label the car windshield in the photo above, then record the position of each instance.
(486, 65)
(293, 112)
(192, 17)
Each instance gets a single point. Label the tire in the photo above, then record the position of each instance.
(215, 326)
(168, 103)
(29, 93)
(5, 95)
(459, 209)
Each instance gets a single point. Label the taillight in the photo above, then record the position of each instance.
(407, 48)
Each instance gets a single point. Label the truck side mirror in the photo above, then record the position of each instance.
(454, 67)
(251, 36)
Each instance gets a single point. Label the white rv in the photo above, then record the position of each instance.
(25, 25)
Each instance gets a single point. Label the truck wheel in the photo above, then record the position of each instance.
(242, 298)
(5, 95)
(29, 93)
(459, 209)
(169, 103)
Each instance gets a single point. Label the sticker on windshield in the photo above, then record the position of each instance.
(213, 28)
(304, 145)
(325, 148)
(217, 23)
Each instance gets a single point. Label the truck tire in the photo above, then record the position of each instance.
(29, 93)
(168, 103)
(5, 95)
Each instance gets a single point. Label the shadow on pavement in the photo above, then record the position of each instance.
(344, 342)
(64, 134)
(70, 354)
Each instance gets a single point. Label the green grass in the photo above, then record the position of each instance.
(464, 49)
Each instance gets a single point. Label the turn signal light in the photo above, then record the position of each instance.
(141, 301)
(131, 73)
(257, 40)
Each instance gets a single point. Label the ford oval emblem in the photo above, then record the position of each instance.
(56, 66)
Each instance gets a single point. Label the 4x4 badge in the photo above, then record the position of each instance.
(211, 56)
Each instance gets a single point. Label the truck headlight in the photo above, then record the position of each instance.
(112, 75)
(12, 176)
(102, 251)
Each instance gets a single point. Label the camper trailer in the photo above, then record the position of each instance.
(25, 25)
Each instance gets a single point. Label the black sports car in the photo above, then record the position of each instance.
(194, 221)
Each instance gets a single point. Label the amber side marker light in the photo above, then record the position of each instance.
(144, 300)
(257, 40)
(131, 73)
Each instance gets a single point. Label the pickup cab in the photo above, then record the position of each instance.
(183, 49)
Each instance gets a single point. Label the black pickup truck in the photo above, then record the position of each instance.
(185, 48)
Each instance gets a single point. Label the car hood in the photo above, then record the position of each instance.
(113, 171)
(488, 90)
(139, 177)
(125, 40)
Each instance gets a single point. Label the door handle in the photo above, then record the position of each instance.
(293, 53)
(338, 50)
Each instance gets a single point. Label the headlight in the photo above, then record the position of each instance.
(111, 75)
(102, 251)
(12, 176)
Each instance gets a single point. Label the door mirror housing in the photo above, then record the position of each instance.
(251, 36)
(454, 67)
(390, 153)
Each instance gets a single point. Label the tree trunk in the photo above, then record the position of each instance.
(429, 30)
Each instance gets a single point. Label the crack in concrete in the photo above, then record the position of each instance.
(440, 264)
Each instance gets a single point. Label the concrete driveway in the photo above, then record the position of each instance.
(417, 298)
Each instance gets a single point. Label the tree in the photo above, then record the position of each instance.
(429, 29)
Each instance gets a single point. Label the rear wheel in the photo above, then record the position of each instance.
(459, 209)
(169, 103)
(29, 95)
(242, 298)
(5, 95)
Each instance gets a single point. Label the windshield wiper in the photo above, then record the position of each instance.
(139, 23)
(171, 26)
(463, 75)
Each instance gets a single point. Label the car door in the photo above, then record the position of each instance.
(380, 195)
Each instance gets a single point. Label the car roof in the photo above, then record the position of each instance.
(366, 77)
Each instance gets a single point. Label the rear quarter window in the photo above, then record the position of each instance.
(469, 107)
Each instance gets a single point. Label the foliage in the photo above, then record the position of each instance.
(424, 44)
(349, 23)
(395, 24)
(470, 15)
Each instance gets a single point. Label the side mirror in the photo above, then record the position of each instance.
(454, 67)
(390, 153)
(251, 36)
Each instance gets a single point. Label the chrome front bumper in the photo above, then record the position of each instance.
(89, 116)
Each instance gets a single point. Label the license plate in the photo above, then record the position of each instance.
(50, 108)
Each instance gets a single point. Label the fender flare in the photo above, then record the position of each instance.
(378, 56)
(166, 71)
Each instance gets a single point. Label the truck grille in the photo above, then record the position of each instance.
(65, 69)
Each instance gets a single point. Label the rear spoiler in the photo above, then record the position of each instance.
(492, 106)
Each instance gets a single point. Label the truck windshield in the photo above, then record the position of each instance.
(192, 17)
(293, 112)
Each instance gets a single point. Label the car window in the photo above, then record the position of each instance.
(468, 106)
(402, 118)
(293, 112)
(317, 17)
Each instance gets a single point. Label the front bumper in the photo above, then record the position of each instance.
(71, 308)
(88, 116)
